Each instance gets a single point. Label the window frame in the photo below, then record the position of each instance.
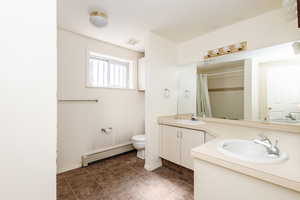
(109, 59)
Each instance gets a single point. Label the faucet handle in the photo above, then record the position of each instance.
(265, 139)
(262, 136)
(194, 116)
(276, 143)
(275, 148)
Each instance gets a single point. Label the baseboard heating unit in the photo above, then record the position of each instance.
(105, 153)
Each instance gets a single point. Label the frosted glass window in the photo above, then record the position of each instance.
(108, 73)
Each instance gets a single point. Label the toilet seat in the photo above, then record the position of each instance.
(139, 138)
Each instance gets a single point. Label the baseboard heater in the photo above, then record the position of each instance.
(105, 153)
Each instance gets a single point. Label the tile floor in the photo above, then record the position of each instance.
(123, 178)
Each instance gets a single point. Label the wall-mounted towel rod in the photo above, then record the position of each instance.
(78, 100)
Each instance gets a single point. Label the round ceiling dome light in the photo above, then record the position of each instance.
(98, 19)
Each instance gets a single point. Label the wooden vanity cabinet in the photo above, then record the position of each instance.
(176, 144)
(170, 143)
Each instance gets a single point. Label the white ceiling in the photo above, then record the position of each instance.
(177, 20)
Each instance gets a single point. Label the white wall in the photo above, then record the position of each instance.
(160, 74)
(251, 76)
(28, 100)
(262, 31)
(187, 89)
(80, 123)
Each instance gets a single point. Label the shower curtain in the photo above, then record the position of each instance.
(203, 103)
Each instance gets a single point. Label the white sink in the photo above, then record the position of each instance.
(247, 150)
(189, 122)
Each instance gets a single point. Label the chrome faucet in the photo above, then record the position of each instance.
(267, 117)
(194, 117)
(290, 116)
(272, 150)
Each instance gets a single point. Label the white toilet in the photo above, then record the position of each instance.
(139, 142)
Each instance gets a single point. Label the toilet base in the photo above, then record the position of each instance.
(141, 154)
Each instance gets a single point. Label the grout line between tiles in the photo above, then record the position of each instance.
(69, 185)
(98, 185)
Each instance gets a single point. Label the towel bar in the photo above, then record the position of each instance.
(77, 100)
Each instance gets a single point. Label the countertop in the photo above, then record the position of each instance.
(286, 174)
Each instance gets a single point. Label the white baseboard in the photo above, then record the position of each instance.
(98, 155)
(152, 165)
(105, 153)
(62, 170)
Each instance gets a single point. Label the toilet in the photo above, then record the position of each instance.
(139, 142)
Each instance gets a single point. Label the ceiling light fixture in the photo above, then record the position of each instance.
(98, 19)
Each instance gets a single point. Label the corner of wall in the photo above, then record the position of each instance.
(161, 71)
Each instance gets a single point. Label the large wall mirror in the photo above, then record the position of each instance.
(260, 85)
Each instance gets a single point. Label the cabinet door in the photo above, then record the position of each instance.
(189, 140)
(170, 144)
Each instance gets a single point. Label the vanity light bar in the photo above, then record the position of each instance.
(226, 50)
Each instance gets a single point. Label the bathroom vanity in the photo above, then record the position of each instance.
(214, 171)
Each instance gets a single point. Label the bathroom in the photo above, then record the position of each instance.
(170, 100)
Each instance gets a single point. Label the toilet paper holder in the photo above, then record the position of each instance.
(106, 130)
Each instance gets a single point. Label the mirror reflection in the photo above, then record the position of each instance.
(220, 90)
(262, 85)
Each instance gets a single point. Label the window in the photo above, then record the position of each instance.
(108, 72)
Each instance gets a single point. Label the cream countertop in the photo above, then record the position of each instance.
(286, 174)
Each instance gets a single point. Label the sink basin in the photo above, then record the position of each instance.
(189, 122)
(247, 150)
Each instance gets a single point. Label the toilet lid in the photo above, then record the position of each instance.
(139, 138)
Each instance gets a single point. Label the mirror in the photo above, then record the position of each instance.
(260, 85)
